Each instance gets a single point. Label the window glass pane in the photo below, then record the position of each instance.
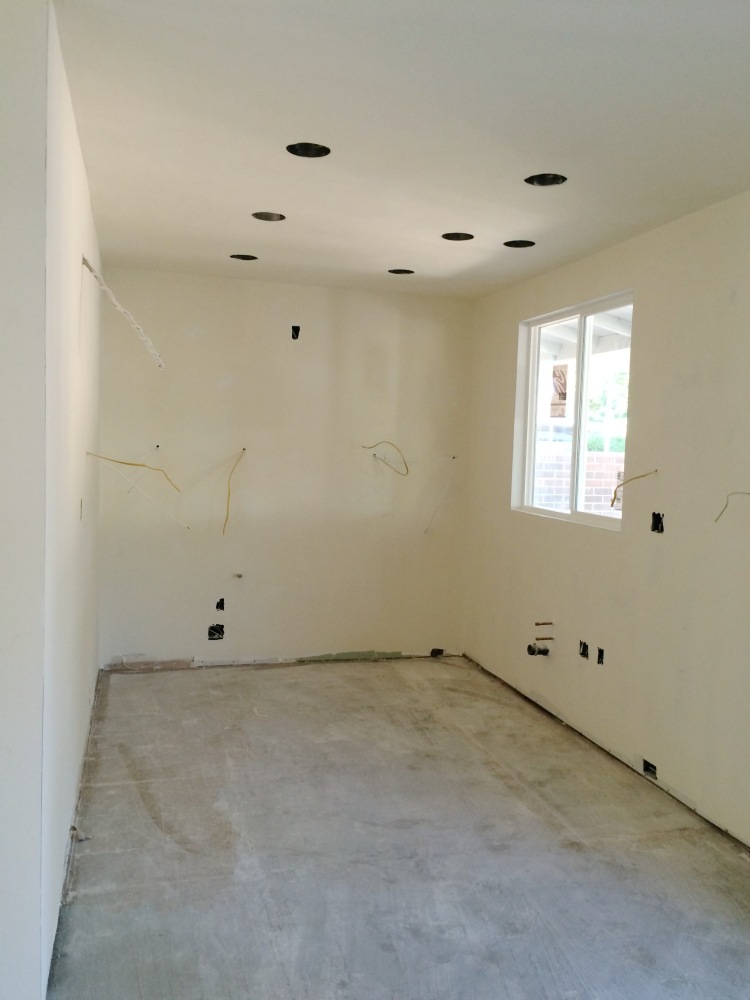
(604, 414)
(554, 428)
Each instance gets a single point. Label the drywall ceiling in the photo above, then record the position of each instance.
(435, 112)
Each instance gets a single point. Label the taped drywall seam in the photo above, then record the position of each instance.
(128, 316)
(448, 480)
(229, 488)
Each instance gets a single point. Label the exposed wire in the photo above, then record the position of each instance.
(150, 499)
(632, 479)
(128, 316)
(229, 488)
(136, 465)
(369, 447)
(734, 493)
(146, 471)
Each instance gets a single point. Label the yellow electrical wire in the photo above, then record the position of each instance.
(632, 479)
(734, 493)
(137, 465)
(229, 488)
(369, 447)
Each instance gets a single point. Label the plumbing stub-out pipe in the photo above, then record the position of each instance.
(534, 649)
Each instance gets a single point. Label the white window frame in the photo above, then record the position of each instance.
(524, 442)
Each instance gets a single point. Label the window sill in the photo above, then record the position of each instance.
(579, 517)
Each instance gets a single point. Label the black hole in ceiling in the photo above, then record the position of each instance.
(242, 256)
(519, 243)
(399, 270)
(268, 216)
(309, 149)
(545, 180)
(458, 237)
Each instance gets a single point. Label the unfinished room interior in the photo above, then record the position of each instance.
(376, 502)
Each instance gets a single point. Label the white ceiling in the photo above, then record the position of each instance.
(435, 111)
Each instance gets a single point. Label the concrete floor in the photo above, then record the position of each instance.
(406, 830)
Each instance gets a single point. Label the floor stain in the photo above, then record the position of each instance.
(218, 832)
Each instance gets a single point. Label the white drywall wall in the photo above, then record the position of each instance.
(48, 413)
(71, 653)
(670, 610)
(23, 120)
(332, 545)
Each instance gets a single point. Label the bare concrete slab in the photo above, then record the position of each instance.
(403, 830)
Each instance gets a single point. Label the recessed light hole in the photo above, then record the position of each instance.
(399, 270)
(268, 216)
(545, 180)
(458, 237)
(308, 149)
(243, 256)
(519, 243)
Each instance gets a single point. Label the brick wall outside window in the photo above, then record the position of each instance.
(553, 475)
